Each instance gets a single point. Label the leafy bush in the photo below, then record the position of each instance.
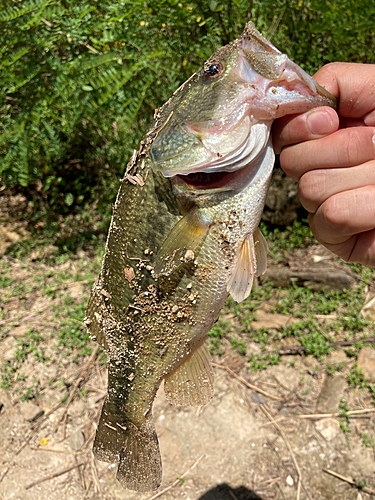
(79, 80)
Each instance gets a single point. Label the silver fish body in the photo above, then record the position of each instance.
(183, 236)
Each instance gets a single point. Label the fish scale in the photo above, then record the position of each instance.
(183, 236)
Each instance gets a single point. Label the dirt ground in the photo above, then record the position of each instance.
(242, 445)
(257, 439)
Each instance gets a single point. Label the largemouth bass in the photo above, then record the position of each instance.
(183, 236)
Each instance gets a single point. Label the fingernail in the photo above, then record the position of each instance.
(319, 122)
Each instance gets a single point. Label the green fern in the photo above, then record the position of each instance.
(79, 80)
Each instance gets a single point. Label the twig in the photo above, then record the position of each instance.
(88, 440)
(317, 416)
(87, 491)
(5, 472)
(81, 474)
(89, 47)
(245, 382)
(47, 23)
(344, 343)
(286, 441)
(95, 475)
(177, 482)
(350, 481)
(80, 378)
(52, 476)
(52, 451)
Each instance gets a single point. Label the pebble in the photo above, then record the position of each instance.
(331, 394)
(328, 428)
(258, 398)
(366, 362)
(76, 440)
(30, 411)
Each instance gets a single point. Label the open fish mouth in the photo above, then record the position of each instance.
(208, 180)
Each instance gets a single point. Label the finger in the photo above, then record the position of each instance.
(353, 85)
(318, 185)
(357, 248)
(343, 215)
(343, 148)
(299, 128)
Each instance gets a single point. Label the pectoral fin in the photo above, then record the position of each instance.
(191, 384)
(251, 261)
(261, 251)
(182, 243)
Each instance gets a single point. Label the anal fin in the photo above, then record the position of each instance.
(191, 384)
(251, 261)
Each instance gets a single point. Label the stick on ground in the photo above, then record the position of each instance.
(52, 476)
(80, 378)
(245, 382)
(286, 441)
(177, 482)
(350, 481)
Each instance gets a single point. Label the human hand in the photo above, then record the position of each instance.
(333, 158)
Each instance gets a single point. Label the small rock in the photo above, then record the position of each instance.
(269, 320)
(9, 237)
(337, 357)
(20, 331)
(331, 393)
(76, 440)
(30, 411)
(7, 344)
(76, 291)
(289, 481)
(77, 409)
(366, 362)
(258, 398)
(328, 428)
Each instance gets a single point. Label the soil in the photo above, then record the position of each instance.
(249, 442)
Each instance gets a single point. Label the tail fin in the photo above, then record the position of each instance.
(140, 462)
(110, 437)
(136, 449)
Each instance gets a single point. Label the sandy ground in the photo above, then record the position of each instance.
(242, 445)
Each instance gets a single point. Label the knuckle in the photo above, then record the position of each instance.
(289, 162)
(310, 190)
(335, 215)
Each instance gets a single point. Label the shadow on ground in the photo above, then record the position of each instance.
(225, 492)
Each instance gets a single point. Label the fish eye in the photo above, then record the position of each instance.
(213, 70)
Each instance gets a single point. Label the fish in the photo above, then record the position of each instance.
(183, 236)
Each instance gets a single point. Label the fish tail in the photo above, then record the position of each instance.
(109, 439)
(134, 447)
(140, 462)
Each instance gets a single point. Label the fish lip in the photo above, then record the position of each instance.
(280, 72)
(295, 76)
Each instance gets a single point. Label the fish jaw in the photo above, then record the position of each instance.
(283, 86)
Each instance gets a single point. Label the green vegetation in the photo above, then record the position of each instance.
(79, 81)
